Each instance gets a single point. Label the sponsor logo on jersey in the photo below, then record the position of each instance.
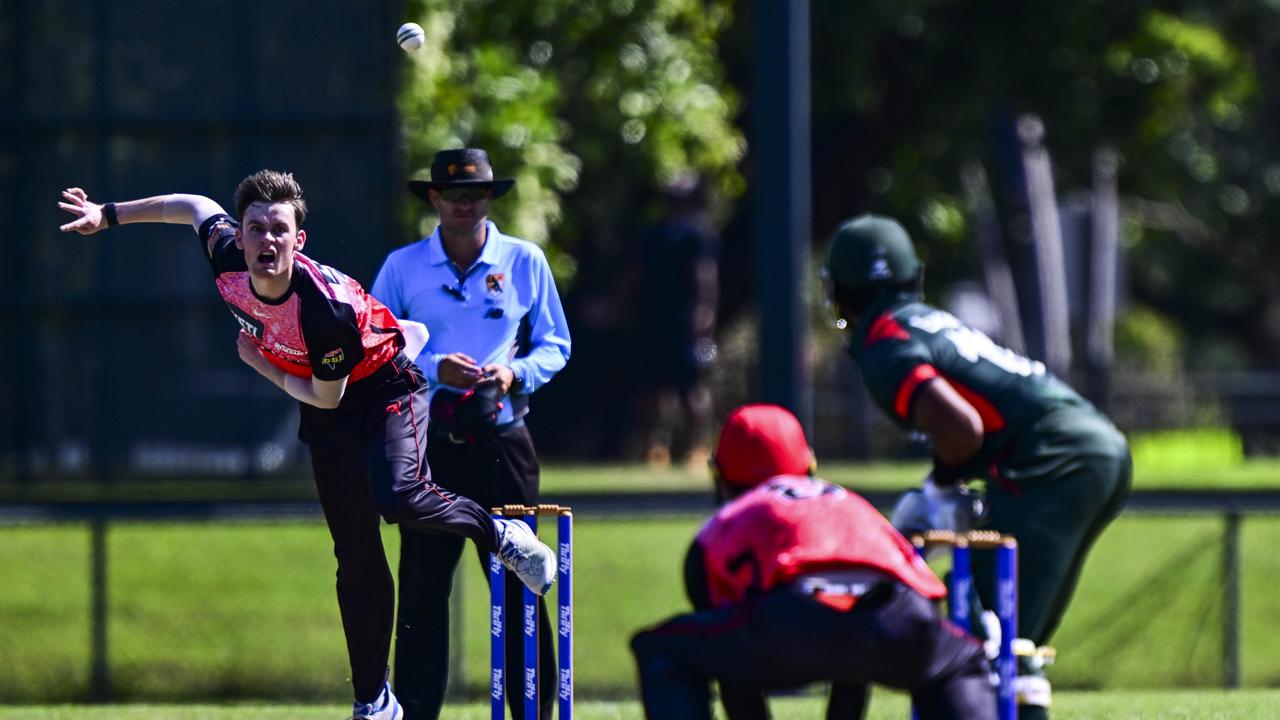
(493, 283)
(934, 322)
(288, 350)
(247, 322)
(973, 345)
(333, 358)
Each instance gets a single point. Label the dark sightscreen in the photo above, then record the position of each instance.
(119, 358)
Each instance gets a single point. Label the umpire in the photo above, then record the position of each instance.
(498, 333)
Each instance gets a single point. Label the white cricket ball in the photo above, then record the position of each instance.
(410, 36)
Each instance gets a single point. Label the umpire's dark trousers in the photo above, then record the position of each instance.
(368, 460)
(503, 470)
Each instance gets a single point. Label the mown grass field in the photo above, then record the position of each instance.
(1173, 460)
(217, 611)
(1117, 705)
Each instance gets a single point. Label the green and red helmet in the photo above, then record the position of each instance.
(871, 253)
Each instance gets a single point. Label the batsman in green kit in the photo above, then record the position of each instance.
(1056, 470)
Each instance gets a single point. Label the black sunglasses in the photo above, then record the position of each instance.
(459, 194)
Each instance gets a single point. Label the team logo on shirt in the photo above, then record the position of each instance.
(333, 359)
(493, 283)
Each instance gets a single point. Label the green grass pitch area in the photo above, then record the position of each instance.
(1174, 705)
(211, 612)
(1173, 471)
(1169, 461)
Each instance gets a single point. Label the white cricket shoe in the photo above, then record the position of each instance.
(383, 707)
(525, 555)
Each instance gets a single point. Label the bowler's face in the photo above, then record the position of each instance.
(269, 236)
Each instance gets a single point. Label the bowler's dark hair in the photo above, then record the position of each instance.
(270, 186)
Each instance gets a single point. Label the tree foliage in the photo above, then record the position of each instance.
(906, 92)
(589, 104)
(592, 104)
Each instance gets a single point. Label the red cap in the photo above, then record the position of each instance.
(759, 442)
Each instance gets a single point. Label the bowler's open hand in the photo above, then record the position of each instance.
(88, 215)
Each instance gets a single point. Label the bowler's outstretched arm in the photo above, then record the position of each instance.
(193, 210)
(176, 209)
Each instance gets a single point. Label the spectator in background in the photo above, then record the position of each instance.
(796, 580)
(675, 314)
(498, 333)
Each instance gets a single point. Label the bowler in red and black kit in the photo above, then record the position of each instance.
(318, 336)
(796, 581)
(368, 454)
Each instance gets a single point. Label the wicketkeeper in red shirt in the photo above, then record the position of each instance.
(795, 581)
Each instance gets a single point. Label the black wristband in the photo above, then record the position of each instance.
(944, 474)
(109, 212)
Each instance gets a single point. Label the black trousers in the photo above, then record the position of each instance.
(501, 471)
(368, 460)
(784, 639)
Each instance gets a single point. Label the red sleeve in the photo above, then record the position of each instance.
(906, 392)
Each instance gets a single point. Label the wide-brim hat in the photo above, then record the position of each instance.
(461, 167)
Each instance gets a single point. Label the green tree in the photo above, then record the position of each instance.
(906, 92)
(589, 104)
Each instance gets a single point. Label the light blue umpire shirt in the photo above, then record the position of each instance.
(504, 309)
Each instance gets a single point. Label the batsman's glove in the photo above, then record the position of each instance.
(938, 507)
